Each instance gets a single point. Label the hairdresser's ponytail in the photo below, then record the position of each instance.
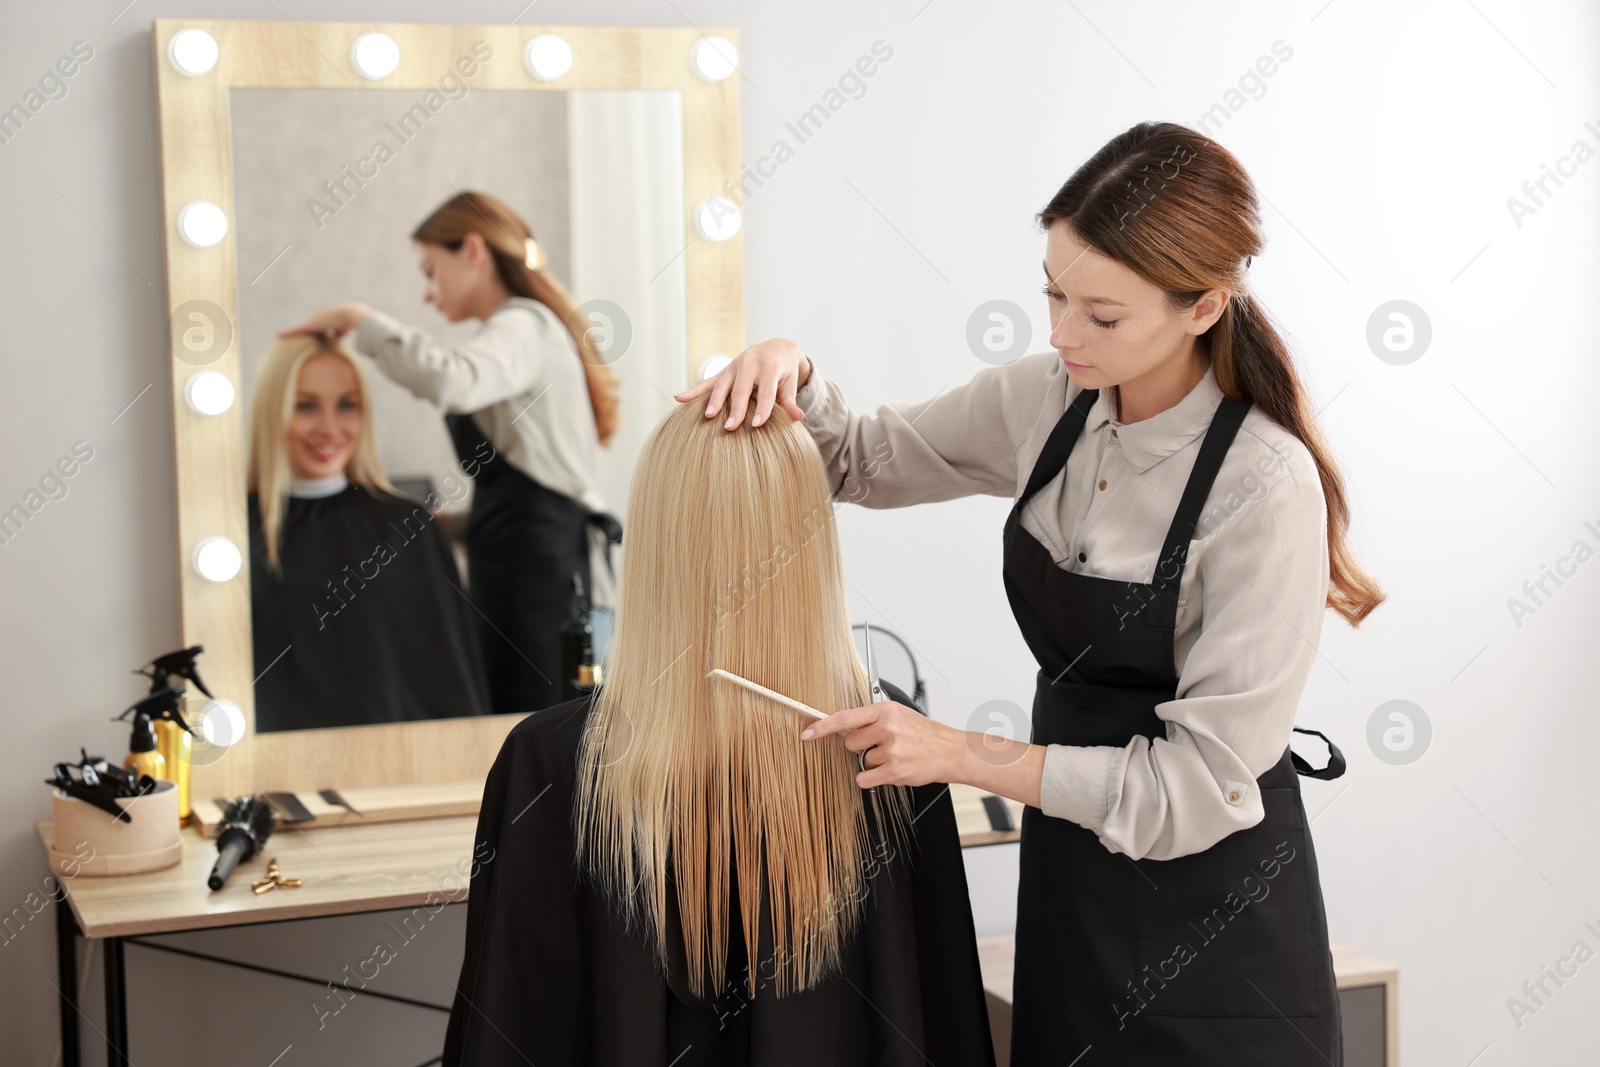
(1251, 360)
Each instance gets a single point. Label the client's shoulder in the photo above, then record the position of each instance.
(392, 504)
(550, 735)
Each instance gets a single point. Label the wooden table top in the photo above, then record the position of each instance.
(344, 870)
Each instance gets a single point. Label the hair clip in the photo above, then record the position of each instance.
(273, 880)
(534, 258)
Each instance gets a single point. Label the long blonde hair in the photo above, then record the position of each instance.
(506, 234)
(269, 474)
(732, 562)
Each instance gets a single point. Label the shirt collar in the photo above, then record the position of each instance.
(1149, 441)
(313, 488)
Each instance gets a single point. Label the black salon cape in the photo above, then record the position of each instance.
(391, 641)
(551, 978)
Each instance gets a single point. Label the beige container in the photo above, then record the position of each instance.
(89, 841)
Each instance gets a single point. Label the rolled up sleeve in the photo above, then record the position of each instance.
(1262, 586)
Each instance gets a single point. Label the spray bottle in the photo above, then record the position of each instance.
(580, 674)
(174, 738)
(142, 755)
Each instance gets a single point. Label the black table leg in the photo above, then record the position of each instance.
(67, 975)
(116, 1005)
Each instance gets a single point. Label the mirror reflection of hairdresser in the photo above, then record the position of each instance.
(530, 402)
(355, 609)
(1178, 529)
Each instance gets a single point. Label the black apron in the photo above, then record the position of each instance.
(1219, 957)
(525, 541)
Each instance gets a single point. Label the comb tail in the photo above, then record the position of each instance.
(788, 702)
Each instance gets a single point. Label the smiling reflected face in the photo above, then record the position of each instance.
(1110, 326)
(325, 425)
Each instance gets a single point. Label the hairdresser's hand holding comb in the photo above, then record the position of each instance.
(770, 370)
(908, 748)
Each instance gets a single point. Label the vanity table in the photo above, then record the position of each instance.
(421, 864)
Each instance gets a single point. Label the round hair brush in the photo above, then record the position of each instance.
(246, 825)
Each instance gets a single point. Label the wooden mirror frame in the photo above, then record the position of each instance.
(209, 451)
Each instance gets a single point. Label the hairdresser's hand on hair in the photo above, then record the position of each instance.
(337, 320)
(770, 370)
(907, 748)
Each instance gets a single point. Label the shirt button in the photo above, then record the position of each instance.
(1113, 432)
(1102, 483)
(1083, 557)
(1233, 797)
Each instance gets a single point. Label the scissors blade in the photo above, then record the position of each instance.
(872, 669)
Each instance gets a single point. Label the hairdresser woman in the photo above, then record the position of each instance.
(530, 402)
(1178, 530)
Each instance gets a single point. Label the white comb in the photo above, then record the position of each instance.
(789, 702)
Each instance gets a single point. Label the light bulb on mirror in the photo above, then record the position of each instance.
(192, 52)
(374, 55)
(547, 57)
(716, 218)
(208, 392)
(221, 723)
(713, 58)
(202, 224)
(216, 559)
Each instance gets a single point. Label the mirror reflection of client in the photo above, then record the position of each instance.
(355, 598)
(530, 403)
(665, 874)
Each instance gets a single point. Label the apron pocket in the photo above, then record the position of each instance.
(1227, 931)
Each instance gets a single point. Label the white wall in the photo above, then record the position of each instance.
(1385, 149)
(626, 192)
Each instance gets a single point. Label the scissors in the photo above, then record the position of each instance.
(878, 695)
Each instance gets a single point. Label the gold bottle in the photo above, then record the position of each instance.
(143, 756)
(176, 746)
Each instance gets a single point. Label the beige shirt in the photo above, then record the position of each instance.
(524, 384)
(1250, 602)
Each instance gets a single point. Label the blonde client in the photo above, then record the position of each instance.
(666, 875)
(357, 611)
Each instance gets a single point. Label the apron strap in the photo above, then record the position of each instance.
(1219, 436)
(1058, 446)
(1335, 767)
(607, 524)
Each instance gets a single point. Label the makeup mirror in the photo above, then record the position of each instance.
(296, 162)
(598, 176)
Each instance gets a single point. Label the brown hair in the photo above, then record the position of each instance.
(734, 564)
(506, 234)
(1179, 210)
